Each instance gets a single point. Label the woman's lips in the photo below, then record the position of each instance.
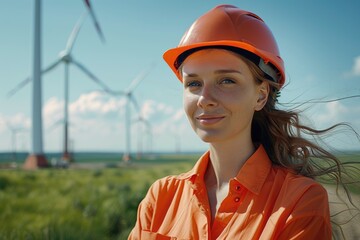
(209, 119)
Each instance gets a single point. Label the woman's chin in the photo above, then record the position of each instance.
(208, 138)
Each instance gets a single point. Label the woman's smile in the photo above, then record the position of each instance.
(209, 119)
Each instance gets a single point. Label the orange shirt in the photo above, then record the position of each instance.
(263, 202)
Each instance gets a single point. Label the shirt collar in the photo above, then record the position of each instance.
(252, 175)
(198, 171)
(254, 172)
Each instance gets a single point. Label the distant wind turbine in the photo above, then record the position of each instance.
(140, 132)
(66, 57)
(177, 143)
(14, 132)
(128, 93)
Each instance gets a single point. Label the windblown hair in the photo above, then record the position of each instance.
(295, 146)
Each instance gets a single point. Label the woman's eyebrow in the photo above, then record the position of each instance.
(221, 71)
(190, 74)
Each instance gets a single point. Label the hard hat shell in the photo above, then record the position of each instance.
(227, 25)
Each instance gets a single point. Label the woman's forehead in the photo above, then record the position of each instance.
(212, 59)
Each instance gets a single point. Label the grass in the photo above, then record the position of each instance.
(77, 203)
(81, 203)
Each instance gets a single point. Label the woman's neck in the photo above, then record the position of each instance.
(227, 160)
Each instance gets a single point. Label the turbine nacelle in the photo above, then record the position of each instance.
(65, 56)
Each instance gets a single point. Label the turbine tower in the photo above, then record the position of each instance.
(142, 122)
(14, 133)
(66, 57)
(36, 157)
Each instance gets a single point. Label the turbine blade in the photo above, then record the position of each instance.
(139, 78)
(55, 125)
(28, 79)
(101, 91)
(96, 23)
(135, 103)
(117, 93)
(51, 67)
(18, 87)
(75, 32)
(92, 76)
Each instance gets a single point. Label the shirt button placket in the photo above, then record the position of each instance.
(237, 190)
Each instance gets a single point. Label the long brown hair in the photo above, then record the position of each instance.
(295, 146)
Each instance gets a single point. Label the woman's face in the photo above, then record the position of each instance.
(220, 95)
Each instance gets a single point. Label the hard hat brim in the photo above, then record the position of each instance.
(171, 55)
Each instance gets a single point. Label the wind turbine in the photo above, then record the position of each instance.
(14, 132)
(177, 142)
(128, 93)
(143, 122)
(66, 58)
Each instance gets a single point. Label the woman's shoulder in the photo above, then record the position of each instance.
(170, 183)
(300, 180)
(296, 179)
(298, 187)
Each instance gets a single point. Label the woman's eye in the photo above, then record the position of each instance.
(227, 81)
(193, 84)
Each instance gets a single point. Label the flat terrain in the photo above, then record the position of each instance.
(349, 220)
(98, 199)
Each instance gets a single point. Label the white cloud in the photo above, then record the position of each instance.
(147, 109)
(327, 115)
(355, 71)
(2, 123)
(53, 111)
(17, 121)
(92, 125)
(96, 102)
(332, 113)
(165, 109)
(18, 124)
(356, 67)
(156, 111)
(179, 114)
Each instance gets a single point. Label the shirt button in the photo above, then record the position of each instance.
(237, 199)
(237, 188)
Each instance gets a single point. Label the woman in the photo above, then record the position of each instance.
(256, 180)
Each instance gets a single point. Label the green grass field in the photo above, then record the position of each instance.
(78, 203)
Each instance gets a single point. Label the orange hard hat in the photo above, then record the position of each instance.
(229, 27)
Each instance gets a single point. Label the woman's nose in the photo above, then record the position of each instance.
(207, 97)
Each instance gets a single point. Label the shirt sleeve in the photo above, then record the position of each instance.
(144, 216)
(143, 220)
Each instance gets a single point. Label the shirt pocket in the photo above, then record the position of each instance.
(146, 235)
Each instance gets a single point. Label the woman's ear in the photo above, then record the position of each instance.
(263, 93)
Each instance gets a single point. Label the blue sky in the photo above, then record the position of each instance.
(318, 40)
